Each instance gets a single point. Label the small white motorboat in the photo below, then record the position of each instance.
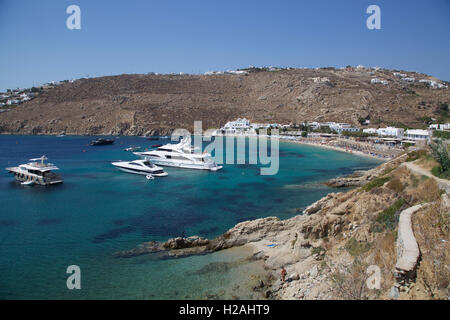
(143, 167)
(132, 149)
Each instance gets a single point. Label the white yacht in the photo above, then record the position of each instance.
(180, 155)
(143, 167)
(36, 172)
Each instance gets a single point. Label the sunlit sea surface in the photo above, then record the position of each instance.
(99, 210)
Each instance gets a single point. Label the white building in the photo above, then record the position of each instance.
(391, 132)
(400, 75)
(343, 127)
(376, 80)
(433, 84)
(237, 126)
(236, 72)
(370, 130)
(320, 80)
(440, 127)
(417, 134)
(12, 101)
(408, 79)
(260, 125)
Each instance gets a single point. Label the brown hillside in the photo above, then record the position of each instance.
(152, 104)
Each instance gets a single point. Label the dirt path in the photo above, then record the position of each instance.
(443, 183)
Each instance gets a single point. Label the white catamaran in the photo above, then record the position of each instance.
(36, 172)
(180, 155)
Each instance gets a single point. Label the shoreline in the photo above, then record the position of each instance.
(338, 149)
(297, 141)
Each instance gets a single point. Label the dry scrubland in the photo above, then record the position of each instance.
(157, 104)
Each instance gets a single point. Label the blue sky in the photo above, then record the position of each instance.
(195, 36)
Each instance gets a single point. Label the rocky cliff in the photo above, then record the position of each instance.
(157, 104)
(330, 250)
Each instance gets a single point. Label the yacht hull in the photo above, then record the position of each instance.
(143, 173)
(184, 165)
(26, 177)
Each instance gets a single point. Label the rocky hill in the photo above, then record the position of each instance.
(157, 104)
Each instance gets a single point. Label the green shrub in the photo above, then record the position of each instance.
(416, 154)
(388, 219)
(378, 182)
(438, 172)
(441, 134)
(357, 248)
(395, 185)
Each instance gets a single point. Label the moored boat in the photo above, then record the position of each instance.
(132, 149)
(37, 171)
(180, 155)
(101, 142)
(143, 167)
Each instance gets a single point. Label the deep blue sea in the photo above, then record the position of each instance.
(99, 210)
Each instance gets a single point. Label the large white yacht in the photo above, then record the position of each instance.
(180, 155)
(37, 171)
(144, 167)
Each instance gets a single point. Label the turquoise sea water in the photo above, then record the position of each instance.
(100, 210)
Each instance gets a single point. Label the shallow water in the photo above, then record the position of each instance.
(100, 210)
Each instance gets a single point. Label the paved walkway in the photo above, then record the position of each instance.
(407, 248)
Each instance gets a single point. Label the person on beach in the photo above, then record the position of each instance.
(283, 274)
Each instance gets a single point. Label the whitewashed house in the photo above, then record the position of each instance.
(343, 127)
(236, 72)
(391, 132)
(417, 134)
(376, 80)
(370, 130)
(260, 125)
(408, 79)
(12, 101)
(237, 126)
(439, 127)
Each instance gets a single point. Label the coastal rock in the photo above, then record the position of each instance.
(394, 293)
(318, 205)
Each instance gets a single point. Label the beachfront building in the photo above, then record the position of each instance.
(370, 131)
(239, 126)
(260, 125)
(391, 132)
(343, 127)
(417, 134)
